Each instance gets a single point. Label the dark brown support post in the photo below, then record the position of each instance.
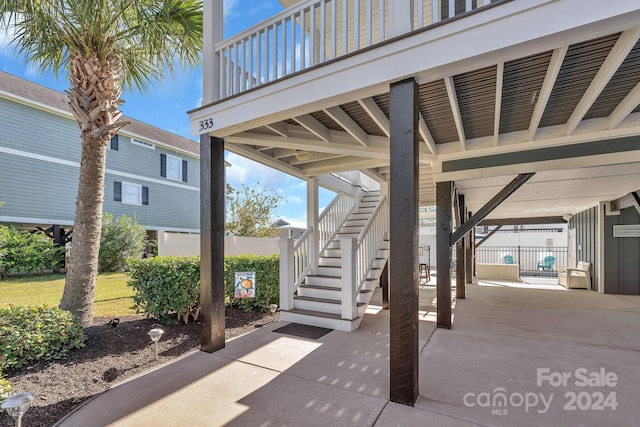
(495, 201)
(403, 255)
(384, 282)
(59, 240)
(461, 263)
(489, 234)
(469, 241)
(443, 253)
(212, 188)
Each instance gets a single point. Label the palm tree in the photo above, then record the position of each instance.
(104, 46)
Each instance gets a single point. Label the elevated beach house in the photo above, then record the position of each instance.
(508, 111)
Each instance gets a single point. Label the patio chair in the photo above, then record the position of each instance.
(508, 259)
(423, 261)
(579, 277)
(547, 263)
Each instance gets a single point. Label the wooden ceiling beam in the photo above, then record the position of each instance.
(281, 128)
(348, 124)
(376, 114)
(545, 91)
(314, 126)
(455, 108)
(618, 54)
(498, 108)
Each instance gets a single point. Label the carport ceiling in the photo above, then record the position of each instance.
(554, 193)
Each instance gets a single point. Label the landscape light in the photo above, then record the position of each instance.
(18, 405)
(155, 335)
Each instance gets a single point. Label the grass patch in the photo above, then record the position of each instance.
(113, 296)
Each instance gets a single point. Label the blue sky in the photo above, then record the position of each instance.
(165, 106)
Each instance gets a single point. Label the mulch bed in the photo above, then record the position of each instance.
(111, 355)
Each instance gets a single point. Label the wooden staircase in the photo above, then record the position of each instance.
(318, 300)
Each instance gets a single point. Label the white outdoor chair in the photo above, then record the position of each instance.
(579, 277)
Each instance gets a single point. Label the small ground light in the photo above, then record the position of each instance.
(18, 405)
(155, 335)
(272, 309)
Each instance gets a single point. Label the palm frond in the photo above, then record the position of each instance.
(146, 39)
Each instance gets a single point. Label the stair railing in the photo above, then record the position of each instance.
(294, 256)
(359, 256)
(332, 218)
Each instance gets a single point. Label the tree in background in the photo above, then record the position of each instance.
(103, 46)
(121, 238)
(251, 211)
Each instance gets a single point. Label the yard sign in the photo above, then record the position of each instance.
(245, 284)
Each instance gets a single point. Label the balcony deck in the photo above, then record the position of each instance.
(498, 96)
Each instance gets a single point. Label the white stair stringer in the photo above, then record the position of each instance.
(318, 301)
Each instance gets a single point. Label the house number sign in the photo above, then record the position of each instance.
(205, 124)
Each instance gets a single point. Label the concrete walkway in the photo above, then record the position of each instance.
(500, 365)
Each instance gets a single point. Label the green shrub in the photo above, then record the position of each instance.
(168, 288)
(5, 388)
(267, 270)
(165, 287)
(121, 238)
(24, 252)
(36, 333)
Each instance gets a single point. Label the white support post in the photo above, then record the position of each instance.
(312, 222)
(286, 273)
(349, 268)
(384, 193)
(212, 34)
(357, 194)
(400, 17)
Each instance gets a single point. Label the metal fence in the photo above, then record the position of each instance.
(542, 261)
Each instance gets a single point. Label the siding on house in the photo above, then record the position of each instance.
(40, 158)
(621, 255)
(586, 225)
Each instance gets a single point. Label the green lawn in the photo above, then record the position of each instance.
(113, 296)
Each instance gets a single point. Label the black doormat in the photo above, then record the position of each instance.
(303, 331)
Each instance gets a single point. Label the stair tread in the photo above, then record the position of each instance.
(314, 313)
(324, 300)
(328, 288)
(327, 276)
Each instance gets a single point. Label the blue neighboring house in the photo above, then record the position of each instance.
(152, 174)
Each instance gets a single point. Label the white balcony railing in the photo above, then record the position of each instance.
(315, 31)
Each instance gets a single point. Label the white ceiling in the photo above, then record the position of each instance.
(554, 193)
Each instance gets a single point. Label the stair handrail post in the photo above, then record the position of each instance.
(357, 194)
(348, 246)
(312, 223)
(286, 273)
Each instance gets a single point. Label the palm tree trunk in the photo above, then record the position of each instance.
(87, 226)
(94, 98)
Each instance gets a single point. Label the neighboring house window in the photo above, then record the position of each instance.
(114, 143)
(173, 168)
(130, 194)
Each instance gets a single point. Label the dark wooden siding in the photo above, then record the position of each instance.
(586, 225)
(621, 256)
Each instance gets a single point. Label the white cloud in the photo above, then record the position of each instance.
(245, 171)
(5, 39)
(295, 199)
(229, 5)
